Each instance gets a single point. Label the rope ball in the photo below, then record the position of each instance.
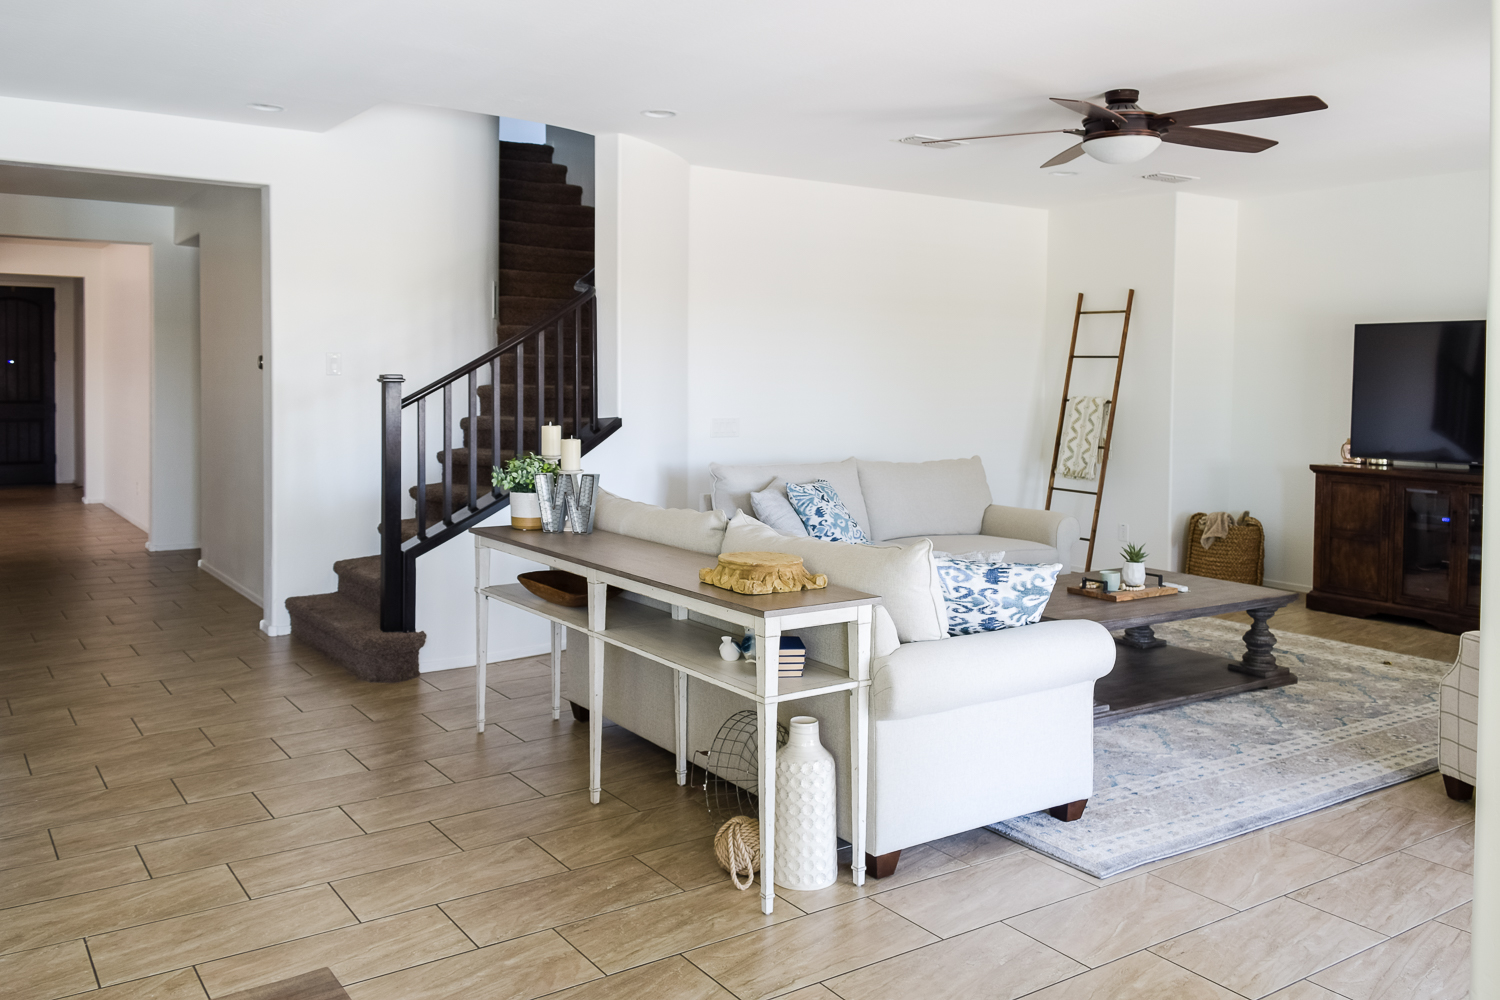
(737, 846)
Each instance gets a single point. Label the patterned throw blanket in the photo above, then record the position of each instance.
(1083, 429)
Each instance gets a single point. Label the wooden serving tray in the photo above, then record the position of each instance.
(1098, 593)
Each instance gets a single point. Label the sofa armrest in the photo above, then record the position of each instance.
(1050, 527)
(922, 678)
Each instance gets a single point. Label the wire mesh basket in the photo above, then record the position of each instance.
(731, 781)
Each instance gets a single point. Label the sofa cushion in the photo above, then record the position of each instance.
(823, 513)
(733, 484)
(697, 531)
(772, 508)
(989, 596)
(1017, 550)
(904, 577)
(947, 497)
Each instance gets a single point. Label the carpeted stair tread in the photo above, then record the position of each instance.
(351, 636)
(532, 151)
(539, 284)
(359, 581)
(549, 214)
(519, 257)
(547, 194)
(533, 170)
(529, 309)
(537, 234)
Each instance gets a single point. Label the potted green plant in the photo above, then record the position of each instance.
(1133, 573)
(518, 478)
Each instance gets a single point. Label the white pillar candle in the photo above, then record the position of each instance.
(551, 440)
(572, 455)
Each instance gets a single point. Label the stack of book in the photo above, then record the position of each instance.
(793, 656)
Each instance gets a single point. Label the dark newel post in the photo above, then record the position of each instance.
(392, 564)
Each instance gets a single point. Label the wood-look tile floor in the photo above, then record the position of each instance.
(190, 809)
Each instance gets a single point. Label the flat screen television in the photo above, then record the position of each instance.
(1419, 392)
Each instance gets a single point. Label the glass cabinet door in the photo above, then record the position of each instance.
(1476, 526)
(1427, 542)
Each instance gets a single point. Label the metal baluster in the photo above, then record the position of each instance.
(577, 373)
(495, 415)
(557, 369)
(541, 385)
(448, 453)
(520, 399)
(473, 438)
(422, 468)
(594, 363)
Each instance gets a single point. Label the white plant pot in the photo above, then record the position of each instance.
(525, 512)
(806, 818)
(1133, 574)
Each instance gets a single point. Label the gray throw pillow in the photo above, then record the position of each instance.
(774, 510)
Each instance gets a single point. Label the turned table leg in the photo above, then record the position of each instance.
(1141, 637)
(1259, 641)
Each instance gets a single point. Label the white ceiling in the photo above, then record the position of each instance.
(815, 89)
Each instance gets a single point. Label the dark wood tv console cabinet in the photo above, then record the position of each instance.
(1398, 542)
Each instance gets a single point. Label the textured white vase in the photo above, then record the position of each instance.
(1133, 574)
(806, 818)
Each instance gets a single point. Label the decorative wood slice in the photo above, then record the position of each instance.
(1122, 595)
(761, 573)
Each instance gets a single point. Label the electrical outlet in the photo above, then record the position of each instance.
(333, 364)
(1124, 532)
(724, 427)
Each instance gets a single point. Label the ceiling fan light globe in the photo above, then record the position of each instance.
(1121, 148)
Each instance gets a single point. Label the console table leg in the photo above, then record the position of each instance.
(1141, 637)
(481, 631)
(1259, 641)
(680, 706)
(860, 638)
(557, 641)
(765, 722)
(598, 592)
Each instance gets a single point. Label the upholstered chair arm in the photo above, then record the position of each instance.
(1049, 527)
(922, 678)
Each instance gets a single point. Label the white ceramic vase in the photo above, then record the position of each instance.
(806, 815)
(525, 512)
(1133, 574)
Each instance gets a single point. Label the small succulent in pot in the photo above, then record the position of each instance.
(1133, 573)
(519, 474)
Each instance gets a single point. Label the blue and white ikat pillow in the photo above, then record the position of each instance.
(823, 513)
(987, 596)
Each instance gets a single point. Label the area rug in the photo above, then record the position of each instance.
(1166, 782)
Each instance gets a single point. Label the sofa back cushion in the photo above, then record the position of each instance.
(946, 497)
(905, 577)
(697, 531)
(733, 484)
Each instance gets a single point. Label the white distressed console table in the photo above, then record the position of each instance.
(691, 649)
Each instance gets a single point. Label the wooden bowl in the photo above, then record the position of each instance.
(557, 587)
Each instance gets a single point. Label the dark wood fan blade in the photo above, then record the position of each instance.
(1090, 110)
(1066, 155)
(1212, 138)
(1246, 110)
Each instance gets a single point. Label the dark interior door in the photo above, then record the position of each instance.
(28, 411)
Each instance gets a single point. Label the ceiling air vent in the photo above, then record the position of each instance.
(1167, 178)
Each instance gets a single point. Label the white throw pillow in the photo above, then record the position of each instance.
(697, 531)
(904, 577)
(987, 596)
(776, 511)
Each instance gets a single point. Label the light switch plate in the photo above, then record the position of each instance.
(333, 364)
(724, 427)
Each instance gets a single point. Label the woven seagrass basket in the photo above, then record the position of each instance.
(1241, 556)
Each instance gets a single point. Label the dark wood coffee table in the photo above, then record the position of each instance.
(1149, 674)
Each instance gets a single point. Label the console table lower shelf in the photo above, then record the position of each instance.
(689, 648)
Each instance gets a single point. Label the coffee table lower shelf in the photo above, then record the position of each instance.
(1148, 680)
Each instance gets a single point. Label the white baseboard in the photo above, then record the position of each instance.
(1301, 588)
(91, 500)
(153, 547)
(232, 584)
(274, 630)
(429, 664)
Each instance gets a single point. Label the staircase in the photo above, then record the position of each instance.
(543, 371)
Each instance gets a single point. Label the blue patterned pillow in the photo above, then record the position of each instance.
(985, 596)
(823, 513)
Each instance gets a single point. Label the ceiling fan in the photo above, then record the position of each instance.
(1120, 132)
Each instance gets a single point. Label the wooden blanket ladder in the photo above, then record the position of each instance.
(1109, 428)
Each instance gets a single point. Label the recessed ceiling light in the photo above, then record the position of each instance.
(659, 113)
(266, 107)
(1063, 173)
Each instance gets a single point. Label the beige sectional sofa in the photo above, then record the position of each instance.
(965, 730)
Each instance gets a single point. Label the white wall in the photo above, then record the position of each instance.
(382, 248)
(225, 224)
(117, 288)
(1311, 266)
(167, 499)
(832, 320)
(67, 293)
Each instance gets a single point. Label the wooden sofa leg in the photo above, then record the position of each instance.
(1069, 812)
(883, 866)
(579, 712)
(1457, 789)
